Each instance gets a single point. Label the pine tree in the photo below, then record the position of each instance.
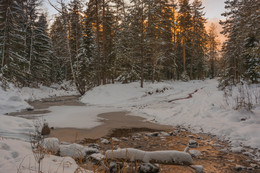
(241, 28)
(93, 13)
(41, 63)
(86, 58)
(212, 49)
(75, 31)
(198, 66)
(14, 65)
(159, 45)
(167, 31)
(125, 62)
(185, 27)
(60, 62)
(137, 16)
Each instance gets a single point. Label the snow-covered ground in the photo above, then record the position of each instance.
(15, 150)
(206, 111)
(14, 99)
(16, 157)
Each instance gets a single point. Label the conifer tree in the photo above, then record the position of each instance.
(241, 29)
(75, 31)
(212, 50)
(41, 63)
(86, 57)
(185, 27)
(61, 61)
(14, 65)
(198, 66)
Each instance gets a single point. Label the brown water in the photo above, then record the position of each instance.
(110, 121)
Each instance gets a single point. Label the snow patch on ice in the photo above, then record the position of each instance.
(82, 117)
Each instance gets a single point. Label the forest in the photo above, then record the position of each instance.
(104, 41)
(129, 86)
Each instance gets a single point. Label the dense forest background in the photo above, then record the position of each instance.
(105, 41)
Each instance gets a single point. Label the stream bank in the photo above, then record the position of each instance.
(133, 132)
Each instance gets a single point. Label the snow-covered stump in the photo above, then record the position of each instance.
(171, 157)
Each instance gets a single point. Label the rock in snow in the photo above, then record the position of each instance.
(115, 167)
(115, 139)
(168, 157)
(239, 167)
(148, 168)
(237, 149)
(198, 168)
(104, 141)
(75, 151)
(45, 129)
(51, 144)
(193, 144)
(195, 153)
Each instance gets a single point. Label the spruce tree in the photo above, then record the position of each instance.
(60, 63)
(198, 66)
(212, 50)
(14, 65)
(241, 29)
(41, 63)
(185, 32)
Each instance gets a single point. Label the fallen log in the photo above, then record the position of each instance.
(162, 157)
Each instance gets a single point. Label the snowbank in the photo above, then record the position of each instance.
(122, 94)
(15, 127)
(205, 110)
(17, 156)
(14, 99)
(11, 100)
(167, 157)
(54, 90)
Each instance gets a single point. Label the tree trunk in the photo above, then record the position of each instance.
(104, 45)
(4, 43)
(31, 51)
(98, 49)
(184, 55)
(142, 48)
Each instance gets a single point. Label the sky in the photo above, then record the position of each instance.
(213, 10)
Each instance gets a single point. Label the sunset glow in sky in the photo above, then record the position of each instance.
(213, 10)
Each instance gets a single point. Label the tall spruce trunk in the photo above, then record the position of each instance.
(184, 55)
(142, 48)
(104, 44)
(98, 49)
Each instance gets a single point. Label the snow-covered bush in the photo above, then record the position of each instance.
(242, 96)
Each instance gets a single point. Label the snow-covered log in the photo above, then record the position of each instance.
(164, 157)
